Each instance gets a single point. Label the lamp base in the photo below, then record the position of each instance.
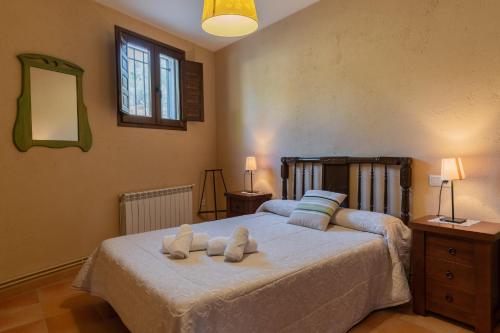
(453, 220)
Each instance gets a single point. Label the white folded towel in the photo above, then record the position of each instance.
(236, 245)
(200, 242)
(217, 245)
(179, 249)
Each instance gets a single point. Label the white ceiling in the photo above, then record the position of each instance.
(182, 17)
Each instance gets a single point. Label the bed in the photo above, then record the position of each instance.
(301, 280)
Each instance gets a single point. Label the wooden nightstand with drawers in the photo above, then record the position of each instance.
(243, 203)
(455, 271)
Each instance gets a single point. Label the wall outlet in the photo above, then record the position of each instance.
(435, 181)
(203, 202)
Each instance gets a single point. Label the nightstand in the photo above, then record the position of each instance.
(455, 271)
(243, 203)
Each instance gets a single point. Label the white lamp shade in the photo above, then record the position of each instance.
(452, 169)
(251, 164)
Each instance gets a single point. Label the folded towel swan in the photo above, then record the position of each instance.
(179, 249)
(217, 245)
(200, 242)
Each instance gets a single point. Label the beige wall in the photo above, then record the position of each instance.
(57, 205)
(391, 77)
(415, 78)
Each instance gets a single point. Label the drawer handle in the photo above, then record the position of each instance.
(452, 251)
(449, 298)
(449, 275)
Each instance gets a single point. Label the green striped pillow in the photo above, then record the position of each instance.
(316, 208)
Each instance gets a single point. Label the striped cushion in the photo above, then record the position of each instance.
(316, 209)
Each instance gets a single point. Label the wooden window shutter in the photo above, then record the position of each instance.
(192, 91)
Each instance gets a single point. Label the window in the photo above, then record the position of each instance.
(137, 80)
(157, 87)
(169, 83)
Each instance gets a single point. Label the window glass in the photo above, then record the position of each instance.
(169, 87)
(139, 81)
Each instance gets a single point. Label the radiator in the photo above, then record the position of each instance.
(156, 209)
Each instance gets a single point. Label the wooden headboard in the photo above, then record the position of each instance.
(335, 177)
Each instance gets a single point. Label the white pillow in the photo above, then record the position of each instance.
(363, 220)
(277, 206)
(316, 208)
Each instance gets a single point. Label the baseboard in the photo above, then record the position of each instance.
(40, 274)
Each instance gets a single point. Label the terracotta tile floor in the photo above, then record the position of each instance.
(56, 307)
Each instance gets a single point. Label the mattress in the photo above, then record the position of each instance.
(301, 280)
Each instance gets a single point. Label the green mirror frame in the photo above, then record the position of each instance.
(23, 128)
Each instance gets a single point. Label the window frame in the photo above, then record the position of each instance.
(155, 49)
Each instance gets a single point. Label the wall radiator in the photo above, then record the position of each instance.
(156, 209)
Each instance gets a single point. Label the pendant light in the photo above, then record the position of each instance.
(230, 18)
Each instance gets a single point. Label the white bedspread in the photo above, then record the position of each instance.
(302, 280)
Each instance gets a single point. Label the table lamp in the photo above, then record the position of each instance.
(452, 169)
(251, 166)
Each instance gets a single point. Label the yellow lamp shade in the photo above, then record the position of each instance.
(452, 169)
(251, 164)
(230, 18)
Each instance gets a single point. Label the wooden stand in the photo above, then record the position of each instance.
(215, 210)
(243, 203)
(455, 271)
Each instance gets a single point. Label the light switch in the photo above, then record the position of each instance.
(435, 181)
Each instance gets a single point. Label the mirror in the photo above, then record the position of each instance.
(54, 114)
(51, 111)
